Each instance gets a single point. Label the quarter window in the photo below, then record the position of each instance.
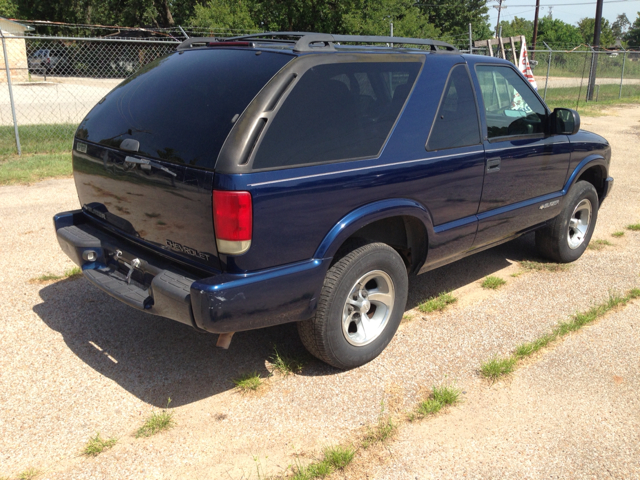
(510, 105)
(337, 112)
(456, 124)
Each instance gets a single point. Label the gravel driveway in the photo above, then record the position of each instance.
(74, 361)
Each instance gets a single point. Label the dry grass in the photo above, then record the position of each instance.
(599, 244)
(544, 266)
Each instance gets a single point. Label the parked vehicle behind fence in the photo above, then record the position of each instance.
(46, 60)
(247, 182)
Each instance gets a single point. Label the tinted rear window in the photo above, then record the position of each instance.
(182, 107)
(337, 112)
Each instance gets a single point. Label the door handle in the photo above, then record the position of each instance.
(493, 165)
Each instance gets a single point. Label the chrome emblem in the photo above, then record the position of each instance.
(549, 204)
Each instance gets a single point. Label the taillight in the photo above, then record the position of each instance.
(233, 221)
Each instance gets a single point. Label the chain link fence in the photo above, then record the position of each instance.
(49, 83)
(563, 77)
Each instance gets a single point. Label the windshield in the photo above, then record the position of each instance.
(182, 107)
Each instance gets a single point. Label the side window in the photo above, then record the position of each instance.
(511, 107)
(337, 112)
(456, 124)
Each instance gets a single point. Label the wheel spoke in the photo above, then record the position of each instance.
(353, 302)
(380, 297)
(362, 323)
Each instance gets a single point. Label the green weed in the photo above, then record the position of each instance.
(248, 382)
(29, 474)
(618, 234)
(97, 445)
(339, 457)
(157, 422)
(438, 303)
(500, 366)
(497, 367)
(492, 282)
(285, 364)
(70, 274)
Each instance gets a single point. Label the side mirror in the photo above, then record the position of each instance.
(564, 121)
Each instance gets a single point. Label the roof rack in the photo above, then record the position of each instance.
(313, 42)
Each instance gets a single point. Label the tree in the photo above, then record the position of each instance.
(620, 26)
(633, 35)
(127, 13)
(302, 15)
(453, 17)
(516, 27)
(8, 9)
(370, 17)
(557, 33)
(224, 16)
(587, 26)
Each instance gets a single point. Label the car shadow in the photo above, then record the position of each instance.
(152, 357)
(470, 269)
(155, 358)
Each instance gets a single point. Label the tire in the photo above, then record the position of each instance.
(566, 238)
(371, 281)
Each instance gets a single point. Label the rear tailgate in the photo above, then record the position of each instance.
(144, 157)
(166, 205)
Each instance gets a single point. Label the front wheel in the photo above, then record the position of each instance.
(567, 236)
(360, 307)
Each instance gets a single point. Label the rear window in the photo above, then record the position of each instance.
(182, 107)
(337, 112)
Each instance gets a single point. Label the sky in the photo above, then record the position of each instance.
(571, 13)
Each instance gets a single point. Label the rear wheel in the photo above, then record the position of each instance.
(360, 308)
(567, 236)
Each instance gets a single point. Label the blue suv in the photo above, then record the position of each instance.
(246, 182)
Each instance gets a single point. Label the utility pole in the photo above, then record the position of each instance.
(471, 42)
(535, 30)
(499, 7)
(596, 46)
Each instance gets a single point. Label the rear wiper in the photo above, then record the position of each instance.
(151, 163)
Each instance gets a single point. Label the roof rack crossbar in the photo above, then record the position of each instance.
(309, 42)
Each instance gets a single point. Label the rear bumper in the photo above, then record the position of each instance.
(219, 304)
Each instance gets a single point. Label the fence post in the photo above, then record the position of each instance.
(624, 58)
(13, 103)
(546, 82)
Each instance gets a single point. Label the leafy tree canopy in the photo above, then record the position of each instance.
(557, 33)
(633, 35)
(516, 27)
(587, 27)
(620, 26)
